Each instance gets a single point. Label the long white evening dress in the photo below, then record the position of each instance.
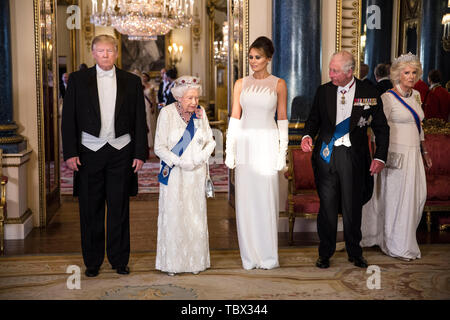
(256, 177)
(390, 219)
(182, 242)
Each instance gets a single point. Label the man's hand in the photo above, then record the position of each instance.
(376, 167)
(428, 162)
(73, 163)
(307, 144)
(137, 164)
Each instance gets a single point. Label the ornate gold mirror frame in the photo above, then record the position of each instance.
(348, 28)
(237, 59)
(238, 44)
(47, 82)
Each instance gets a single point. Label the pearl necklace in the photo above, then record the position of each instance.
(402, 93)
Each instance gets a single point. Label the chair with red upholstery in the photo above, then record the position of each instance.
(438, 177)
(303, 200)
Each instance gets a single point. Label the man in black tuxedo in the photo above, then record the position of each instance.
(171, 76)
(105, 143)
(162, 85)
(341, 113)
(382, 76)
(363, 73)
(63, 84)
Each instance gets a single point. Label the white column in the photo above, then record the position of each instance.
(19, 219)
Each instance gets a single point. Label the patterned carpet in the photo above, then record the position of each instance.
(148, 178)
(45, 277)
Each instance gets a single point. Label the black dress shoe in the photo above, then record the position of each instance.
(323, 263)
(122, 270)
(358, 261)
(91, 272)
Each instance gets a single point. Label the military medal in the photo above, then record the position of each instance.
(344, 92)
(326, 152)
(419, 102)
(165, 171)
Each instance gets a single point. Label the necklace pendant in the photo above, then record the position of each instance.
(343, 100)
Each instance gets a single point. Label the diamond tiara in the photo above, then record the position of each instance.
(409, 57)
(185, 81)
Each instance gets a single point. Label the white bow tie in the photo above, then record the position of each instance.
(103, 73)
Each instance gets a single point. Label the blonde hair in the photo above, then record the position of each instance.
(105, 38)
(406, 60)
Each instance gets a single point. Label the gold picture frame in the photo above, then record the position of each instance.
(47, 82)
(348, 28)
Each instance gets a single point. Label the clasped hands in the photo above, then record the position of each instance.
(190, 164)
(375, 167)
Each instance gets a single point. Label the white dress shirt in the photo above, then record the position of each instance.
(107, 92)
(343, 111)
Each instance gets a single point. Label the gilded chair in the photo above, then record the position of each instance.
(303, 200)
(3, 182)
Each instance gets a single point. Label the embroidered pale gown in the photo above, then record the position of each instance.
(151, 118)
(182, 241)
(390, 219)
(256, 187)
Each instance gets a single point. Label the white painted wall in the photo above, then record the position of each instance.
(260, 22)
(328, 24)
(24, 91)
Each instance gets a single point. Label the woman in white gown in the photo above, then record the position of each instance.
(390, 219)
(256, 146)
(150, 108)
(182, 242)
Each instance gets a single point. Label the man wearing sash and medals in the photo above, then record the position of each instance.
(341, 113)
(390, 219)
(183, 142)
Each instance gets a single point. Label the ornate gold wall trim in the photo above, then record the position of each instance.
(246, 38)
(348, 28)
(20, 220)
(6, 127)
(40, 110)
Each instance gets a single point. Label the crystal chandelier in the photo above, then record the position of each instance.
(142, 19)
(221, 47)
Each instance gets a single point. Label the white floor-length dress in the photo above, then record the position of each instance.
(256, 177)
(390, 219)
(182, 242)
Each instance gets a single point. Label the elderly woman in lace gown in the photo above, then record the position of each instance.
(390, 219)
(183, 142)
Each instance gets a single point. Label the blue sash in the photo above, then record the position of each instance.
(342, 129)
(178, 149)
(416, 117)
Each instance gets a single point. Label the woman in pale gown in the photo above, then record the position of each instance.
(182, 242)
(390, 219)
(150, 108)
(256, 147)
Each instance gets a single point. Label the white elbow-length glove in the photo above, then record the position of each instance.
(283, 133)
(234, 126)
